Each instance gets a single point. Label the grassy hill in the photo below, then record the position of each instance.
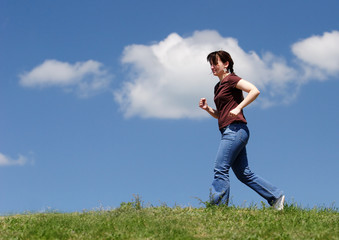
(133, 221)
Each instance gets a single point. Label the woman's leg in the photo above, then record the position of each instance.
(261, 186)
(229, 148)
(221, 185)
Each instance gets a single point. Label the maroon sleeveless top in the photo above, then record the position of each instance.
(226, 98)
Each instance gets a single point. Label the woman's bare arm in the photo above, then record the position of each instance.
(203, 105)
(252, 91)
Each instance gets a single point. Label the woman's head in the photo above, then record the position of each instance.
(224, 57)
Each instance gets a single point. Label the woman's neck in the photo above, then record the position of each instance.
(223, 76)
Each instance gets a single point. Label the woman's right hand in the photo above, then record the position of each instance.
(203, 103)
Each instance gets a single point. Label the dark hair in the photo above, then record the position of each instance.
(224, 57)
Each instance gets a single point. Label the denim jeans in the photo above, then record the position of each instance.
(232, 154)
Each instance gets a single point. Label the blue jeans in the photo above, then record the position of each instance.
(232, 154)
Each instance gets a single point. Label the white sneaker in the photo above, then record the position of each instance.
(279, 203)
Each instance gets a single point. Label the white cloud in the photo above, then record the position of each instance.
(168, 78)
(84, 78)
(320, 54)
(164, 80)
(7, 161)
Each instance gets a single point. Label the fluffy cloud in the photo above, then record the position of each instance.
(165, 78)
(168, 78)
(320, 53)
(7, 161)
(84, 78)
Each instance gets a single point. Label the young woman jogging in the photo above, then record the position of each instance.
(229, 102)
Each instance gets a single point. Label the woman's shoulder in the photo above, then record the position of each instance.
(234, 76)
(233, 79)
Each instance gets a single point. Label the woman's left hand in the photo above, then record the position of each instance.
(234, 112)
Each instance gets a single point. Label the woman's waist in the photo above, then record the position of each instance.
(234, 124)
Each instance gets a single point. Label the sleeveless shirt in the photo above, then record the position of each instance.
(226, 98)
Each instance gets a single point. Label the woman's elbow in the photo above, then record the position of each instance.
(257, 92)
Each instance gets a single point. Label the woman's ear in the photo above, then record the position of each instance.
(226, 64)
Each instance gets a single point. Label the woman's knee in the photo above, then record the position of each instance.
(244, 176)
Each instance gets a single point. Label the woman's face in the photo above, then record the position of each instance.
(218, 68)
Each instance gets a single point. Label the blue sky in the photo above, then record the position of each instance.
(99, 100)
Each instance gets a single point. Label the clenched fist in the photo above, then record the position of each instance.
(203, 103)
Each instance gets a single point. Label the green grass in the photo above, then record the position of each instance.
(133, 221)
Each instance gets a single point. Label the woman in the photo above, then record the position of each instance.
(229, 101)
